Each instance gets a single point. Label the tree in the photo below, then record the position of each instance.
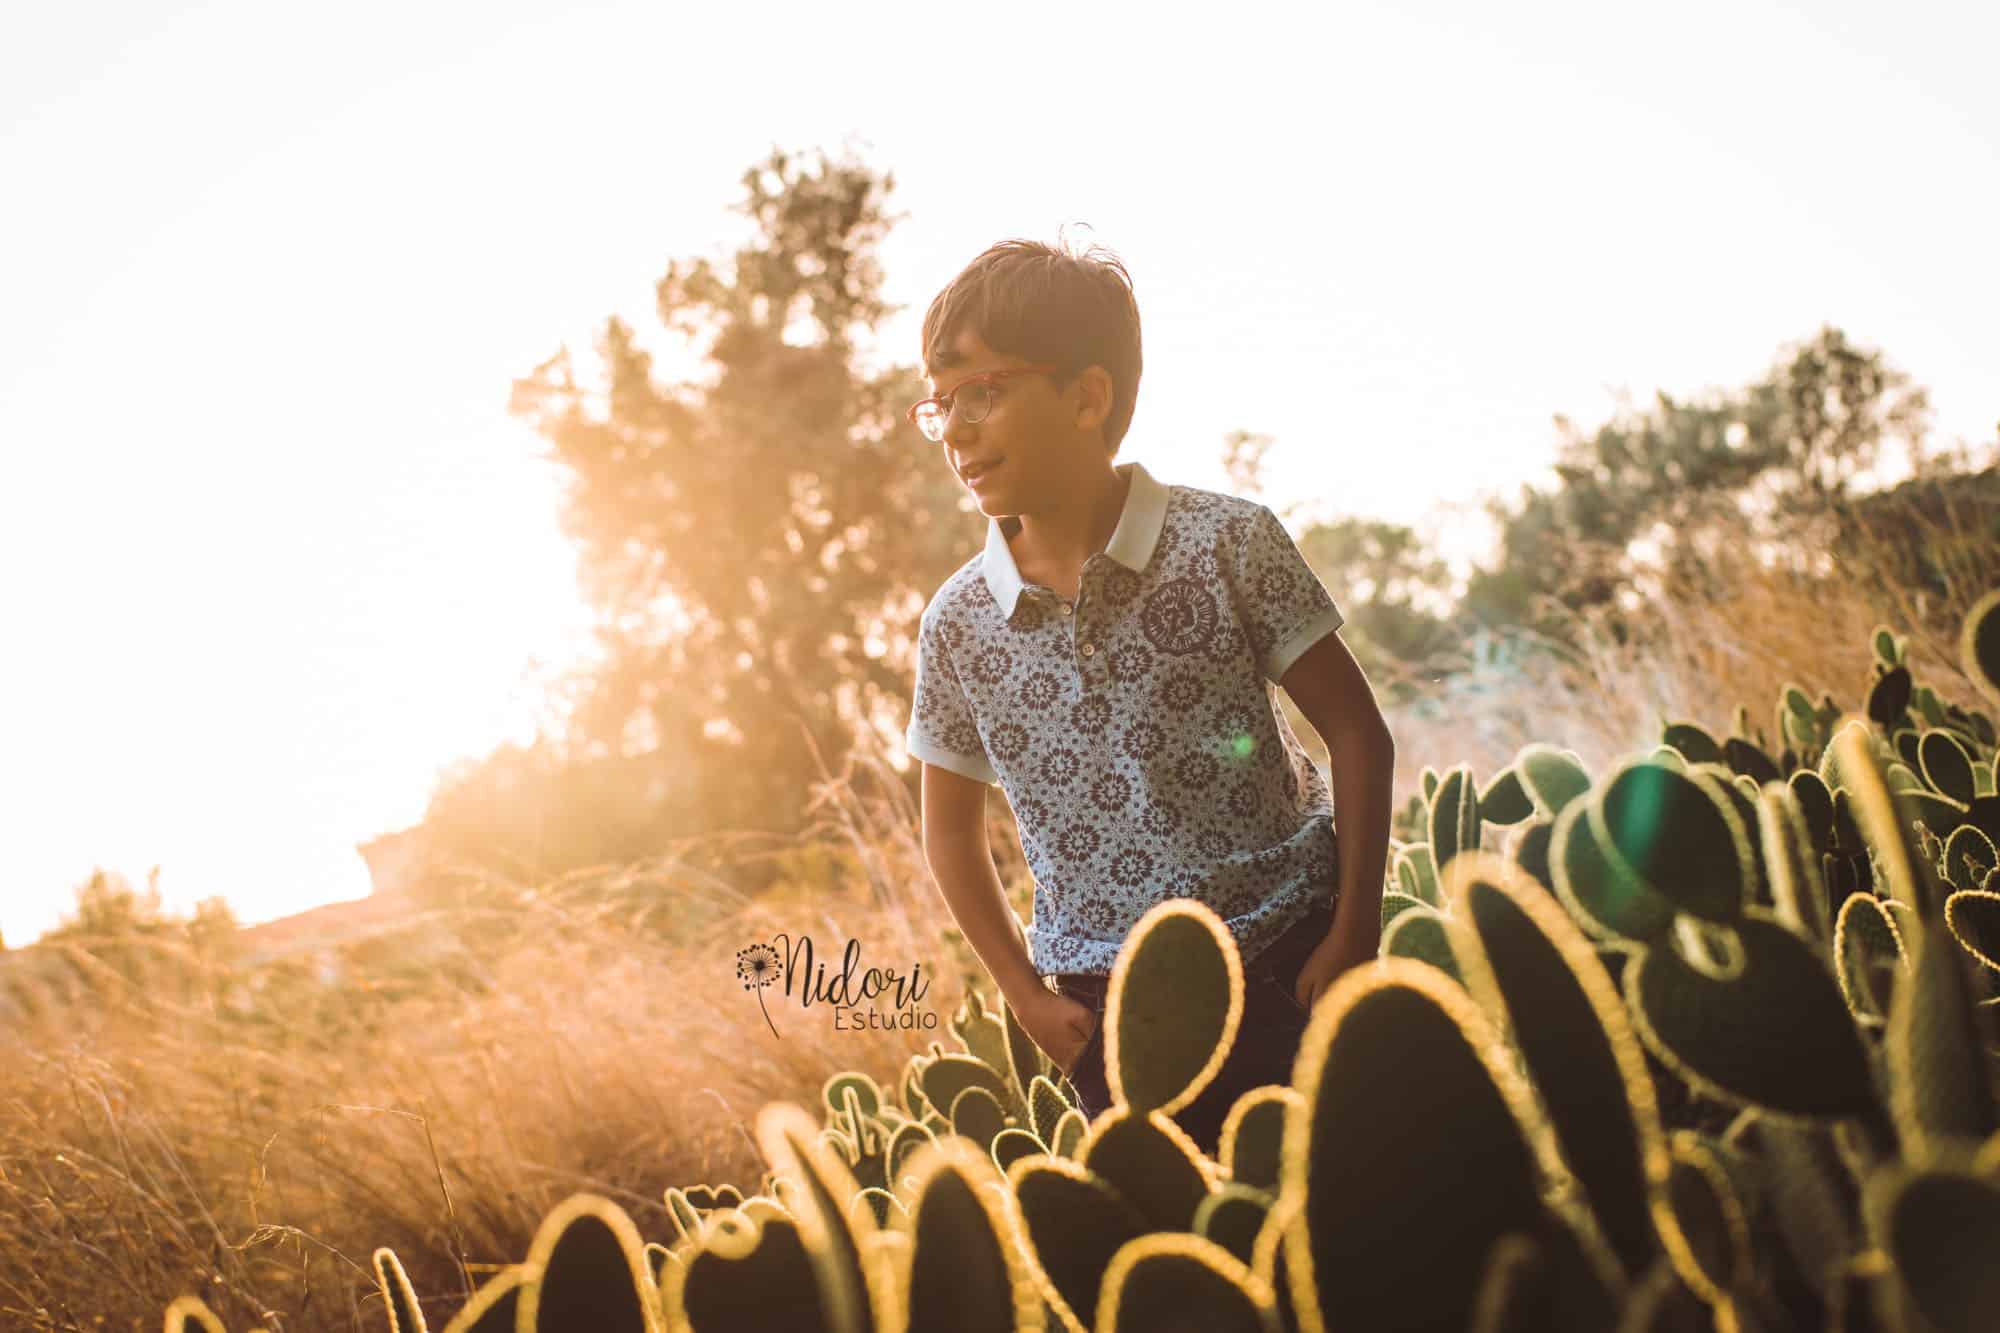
(757, 547)
(1692, 475)
(1384, 577)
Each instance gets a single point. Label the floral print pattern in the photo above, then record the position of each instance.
(1137, 739)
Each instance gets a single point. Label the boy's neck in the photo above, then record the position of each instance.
(1062, 534)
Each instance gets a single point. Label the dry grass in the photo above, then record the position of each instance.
(152, 1145)
(1723, 630)
(256, 1149)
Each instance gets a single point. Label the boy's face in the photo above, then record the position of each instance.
(1033, 441)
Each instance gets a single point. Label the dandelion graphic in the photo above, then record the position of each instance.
(757, 966)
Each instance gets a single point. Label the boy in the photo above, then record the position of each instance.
(1108, 660)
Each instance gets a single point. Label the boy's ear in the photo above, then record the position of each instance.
(1093, 405)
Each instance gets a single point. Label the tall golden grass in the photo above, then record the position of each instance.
(154, 1143)
(254, 1147)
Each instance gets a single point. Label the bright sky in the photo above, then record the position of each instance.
(275, 554)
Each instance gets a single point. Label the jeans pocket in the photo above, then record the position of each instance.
(1286, 982)
(1286, 959)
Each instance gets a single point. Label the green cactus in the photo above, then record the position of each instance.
(1742, 795)
(1605, 899)
(976, 1114)
(1530, 850)
(1702, 1222)
(902, 1143)
(983, 1033)
(1232, 1216)
(1693, 744)
(1505, 800)
(1013, 1143)
(1816, 805)
(398, 1297)
(1776, 1035)
(1868, 952)
(1173, 1003)
(834, 1240)
(1974, 918)
(1394, 904)
(1940, 1229)
(1885, 819)
(1075, 1222)
(1889, 697)
(742, 1265)
(1968, 856)
(1551, 777)
(1046, 1105)
(1790, 865)
(1184, 1281)
(1454, 819)
(495, 1306)
(1391, 1053)
(1151, 1162)
(190, 1314)
(1750, 761)
(1419, 935)
(1979, 645)
(1946, 766)
(1812, 1197)
(1936, 1046)
(1929, 705)
(1069, 1135)
(965, 1274)
(1676, 834)
(944, 1078)
(587, 1269)
(1415, 872)
(707, 1197)
(1251, 1149)
(1531, 968)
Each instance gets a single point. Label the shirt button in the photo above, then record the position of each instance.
(1089, 649)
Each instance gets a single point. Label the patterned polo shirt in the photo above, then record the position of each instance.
(1136, 731)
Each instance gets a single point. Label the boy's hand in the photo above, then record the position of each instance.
(1059, 1025)
(1331, 958)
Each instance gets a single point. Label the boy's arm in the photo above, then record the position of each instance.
(1334, 695)
(956, 850)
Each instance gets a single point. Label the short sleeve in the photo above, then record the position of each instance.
(1283, 606)
(941, 728)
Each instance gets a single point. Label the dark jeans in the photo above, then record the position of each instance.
(1267, 1039)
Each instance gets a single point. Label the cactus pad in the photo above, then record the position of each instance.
(1676, 834)
(1776, 1036)
(1174, 1001)
(1075, 1223)
(1402, 1106)
(1165, 1282)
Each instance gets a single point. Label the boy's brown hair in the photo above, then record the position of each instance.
(1046, 303)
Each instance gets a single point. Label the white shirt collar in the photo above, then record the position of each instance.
(1131, 544)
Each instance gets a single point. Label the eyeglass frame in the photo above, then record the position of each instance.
(987, 377)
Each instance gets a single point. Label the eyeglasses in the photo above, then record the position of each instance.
(973, 397)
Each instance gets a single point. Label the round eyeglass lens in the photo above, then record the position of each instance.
(973, 401)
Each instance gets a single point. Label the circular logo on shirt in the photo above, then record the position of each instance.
(1179, 617)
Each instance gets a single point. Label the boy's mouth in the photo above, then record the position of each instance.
(971, 473)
